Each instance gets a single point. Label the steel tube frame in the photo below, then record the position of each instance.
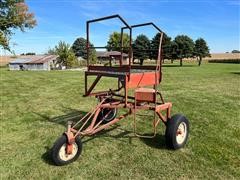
(158, 64)
(102, 19)
(132, 106)
(119, 101)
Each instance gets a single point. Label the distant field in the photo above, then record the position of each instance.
(224, 56)
(36, 105)
(6, 59)
(219, 56)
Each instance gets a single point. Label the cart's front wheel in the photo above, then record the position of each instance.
(177, 131)
(59, 152)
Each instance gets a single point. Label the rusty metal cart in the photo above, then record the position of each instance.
(144, 80)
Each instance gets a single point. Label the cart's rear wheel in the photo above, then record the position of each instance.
(107, 114)
(59, 154)
(177, 131)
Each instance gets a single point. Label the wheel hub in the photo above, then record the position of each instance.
(181, 133)
(64, 155)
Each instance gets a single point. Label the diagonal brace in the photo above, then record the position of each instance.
(88, 91)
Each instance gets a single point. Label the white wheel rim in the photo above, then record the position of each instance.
(63, 154)
(181, 133)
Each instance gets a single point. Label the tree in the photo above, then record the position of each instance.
(93, 56)
(114, 42)
(13, 15)
(235, 51)
(166, 46)
(141, 48)
(66, 56)
(51, 51)
(80, 49)
(71, 60)
(30, 54)
(185, 47)
(173, 52)
(201, 49)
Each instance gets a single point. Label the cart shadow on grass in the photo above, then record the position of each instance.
(74, 115)
(236, 73)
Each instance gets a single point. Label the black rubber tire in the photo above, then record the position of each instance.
(171, 131)
(112, 115)
(57, 146)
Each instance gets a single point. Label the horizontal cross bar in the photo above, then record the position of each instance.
(110, 17)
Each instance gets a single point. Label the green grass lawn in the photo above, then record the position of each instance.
(36, 105)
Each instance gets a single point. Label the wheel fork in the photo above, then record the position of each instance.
(70, 138)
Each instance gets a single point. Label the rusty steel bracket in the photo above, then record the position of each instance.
(70, 138)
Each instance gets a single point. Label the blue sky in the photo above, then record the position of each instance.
(216, 21)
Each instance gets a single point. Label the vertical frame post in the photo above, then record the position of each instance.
(121, 59)
(130, 47)
(159, 64)
(126, 90)
(87, 45)
(86, 84)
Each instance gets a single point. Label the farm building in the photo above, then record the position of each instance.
(113, 55)
(44, 62)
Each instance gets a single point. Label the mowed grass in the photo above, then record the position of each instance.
(35, 107)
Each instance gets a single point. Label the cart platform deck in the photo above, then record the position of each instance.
(128, 76)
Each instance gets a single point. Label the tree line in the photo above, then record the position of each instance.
(180, 47)
(143, 48)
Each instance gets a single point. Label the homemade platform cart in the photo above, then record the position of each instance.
(144, 80)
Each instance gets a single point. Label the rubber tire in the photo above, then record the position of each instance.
(171, 130)
(101, 115)
(57, 146)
